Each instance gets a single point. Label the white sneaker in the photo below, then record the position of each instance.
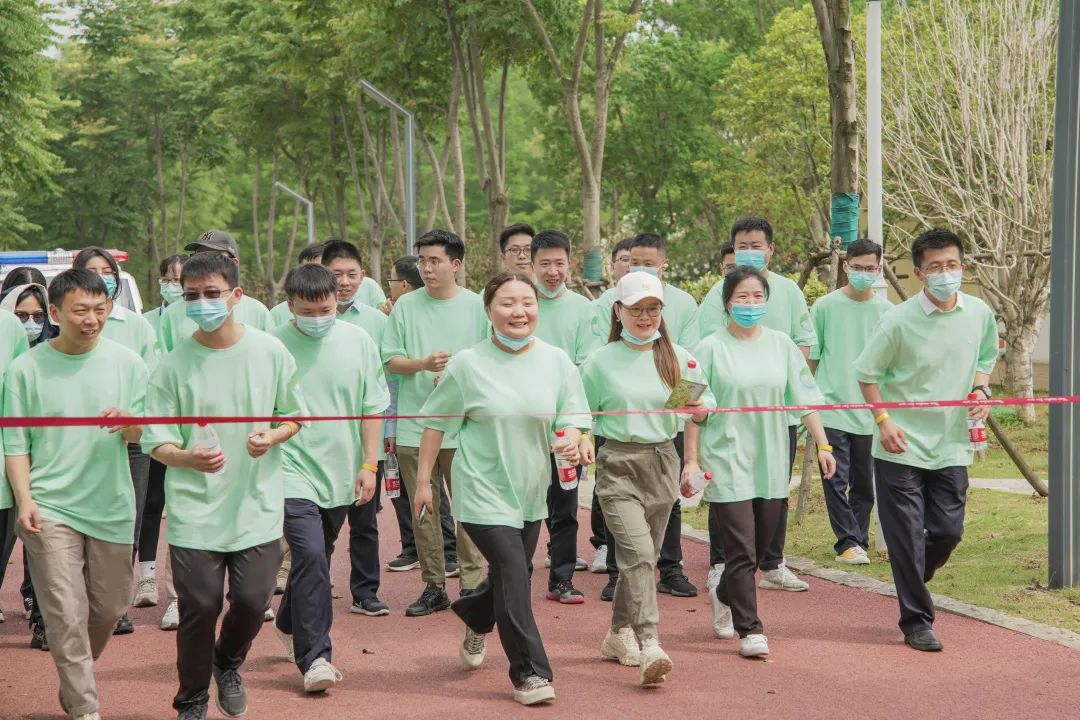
(147, 593)
(286, 642)
(268, 615)
(715, 573)
(1, 616)
(782, 579)
(853, 556)
(473, 650)
(171, 619)
(534, 690)
(721, 617)
(621, 646)
(599, 560)
(281, 581)
(755, 645)
(321, 676)
(88, 716)
(655, 663)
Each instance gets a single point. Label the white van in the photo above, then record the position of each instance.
(52, 263)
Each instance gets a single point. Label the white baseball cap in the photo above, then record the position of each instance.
(636, 286)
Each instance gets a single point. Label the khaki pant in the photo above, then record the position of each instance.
(637, 484)
(429, 543)
(83, 586)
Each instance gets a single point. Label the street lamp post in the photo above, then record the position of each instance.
(308, 205)
(410, 164)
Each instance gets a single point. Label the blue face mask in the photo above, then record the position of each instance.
(550, 294)
(513, 344)
(110, 284)
(654, 271)
(862, 280)
(207, 314)
(625, 335)
(33, 330)
(944, 285)
(316, 327)
(170, 292)
(753, 258)
(747, 316)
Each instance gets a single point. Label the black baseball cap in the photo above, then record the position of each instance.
(217, 240)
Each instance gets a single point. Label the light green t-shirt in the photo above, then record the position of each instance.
(79, 476)
(747, 453)
(680, 315)
(13, 343)
(368, 319)
(566, 323)
(243, 507)
(134, 332)
(371, 293)
(617, 377)
(153, 316)
(502, 468)
(341, 374)
(280, 315)
(420, 325)
(176, 327)
(915, 356)
(843, 328)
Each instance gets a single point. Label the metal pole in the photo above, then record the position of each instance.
(308, 205)
(410, 161)
(1064, 535)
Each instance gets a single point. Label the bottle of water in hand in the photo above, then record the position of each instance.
(392, 476)
(697, 483)
(976, 430)
(207, 440)
(568, 479)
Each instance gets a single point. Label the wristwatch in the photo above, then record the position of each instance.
(984, 389)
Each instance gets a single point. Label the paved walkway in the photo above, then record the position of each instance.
(836, 653)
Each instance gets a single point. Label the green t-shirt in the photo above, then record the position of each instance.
(280, 315)
(617, 377)
(747, 453)
(420, 325)
(370, 293)
(918, 356)
(502, 468)
(153, 316)
(566, 323)
(680, 315)
(134, 332)
(243, 507)
(843, 328)
(176, 327)
(341, 374)
(368, 319)
(79, 476)
(13, 343)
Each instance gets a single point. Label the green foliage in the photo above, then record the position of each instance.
(699, 287)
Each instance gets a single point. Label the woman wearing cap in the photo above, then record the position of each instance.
(637, 468)
(748, 365)
(502, 469)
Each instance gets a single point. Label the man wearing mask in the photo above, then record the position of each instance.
(941, 344)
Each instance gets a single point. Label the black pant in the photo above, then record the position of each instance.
(504, 597)
(8, 520)
(403, 511)
(139, 464)
(774, 556)
(306, 611)
(363, 547)
(150, 533)
(922, 518)
(746, 528)
(562, 526)
(199, 576)
(849, 494)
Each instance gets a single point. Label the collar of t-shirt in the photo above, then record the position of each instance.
(930, 308)
(117, 312)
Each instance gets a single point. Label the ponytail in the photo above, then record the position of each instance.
(664, 357)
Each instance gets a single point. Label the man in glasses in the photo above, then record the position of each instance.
(514, 244)
(175, 326)
(225, 490)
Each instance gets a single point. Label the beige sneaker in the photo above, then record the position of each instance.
(88, 716)
(147, 593)
(282, 580)
(782, 579)
(286, 643)
(621, 646)
(853, 556)
(321, 676)
(655, 663)
(473, 650)
(534, 690)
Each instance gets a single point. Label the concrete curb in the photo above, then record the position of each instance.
(993, 617)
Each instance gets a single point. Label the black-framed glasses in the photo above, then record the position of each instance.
(519, 251)
(653, 312)
(38, 317)
(211, 294)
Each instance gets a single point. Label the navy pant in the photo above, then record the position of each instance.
(364, 547)
(922, 518)
(306, 610)
(849, 494)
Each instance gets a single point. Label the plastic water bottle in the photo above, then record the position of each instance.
(391, 476)
(697, 483)
(976, 430)
(206, 439)
(568, 479)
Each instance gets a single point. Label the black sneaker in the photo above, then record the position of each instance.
(38, 640)
(566, 594)
(466, 592)
(193, 712)
(370, 606)
(433, 599)
(608, 593)
(453, 568)
(403, 562)
(676, 584)
(124, 626)
(231, 698)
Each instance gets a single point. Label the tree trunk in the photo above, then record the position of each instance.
(1019, 381)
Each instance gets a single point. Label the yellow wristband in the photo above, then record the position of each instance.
(370, 468)
(881, 418)
(826, 448)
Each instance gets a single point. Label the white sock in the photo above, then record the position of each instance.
(147, 569)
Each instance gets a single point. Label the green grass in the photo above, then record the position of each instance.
(1030, 440)
(1001, 563)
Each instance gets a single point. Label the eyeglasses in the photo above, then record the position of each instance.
(211, 294)
(864, 268)
(428, 262)
(653, 312)
(39, 317)
(518, 251)
(394, 280)
(951, 266)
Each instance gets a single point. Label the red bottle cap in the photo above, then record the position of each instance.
(560, 433)
(973, 396)
(691, 364)
(708, 476)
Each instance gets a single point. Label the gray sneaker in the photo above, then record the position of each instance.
(193, 712)
(231, 696)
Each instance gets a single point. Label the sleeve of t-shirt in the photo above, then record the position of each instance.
(802, 329)
(817, 316)
(289, 401)
(448, 398)
(590, 384)
(376, 395)
(601, 322)
(376, 296)
(393, 342)
(165, 332)
(988, 348)
(482, 320)
(16, 440)
(877, 356)
(161, 401)
(586, 340)
(698, 375)
(702, 353)
(689, 334)
(572, 407)
(148, 343)
(141, 377)
(711, 315)
(262, 319)
(801, 387)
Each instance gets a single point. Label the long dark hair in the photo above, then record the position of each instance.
(86, 253)
(664, 357)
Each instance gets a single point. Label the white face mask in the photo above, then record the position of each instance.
(33, 330)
